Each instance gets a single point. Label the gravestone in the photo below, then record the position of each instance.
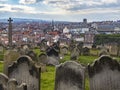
(32, 54)
(113, 49)
(80, 46)
(9, 57)
(74, 54)
(86, 51)
(69, 76)
(25, 71)
(26, 48)
(10, 84)
(104, 74)
(53, 54)
(64, 50)
(43, 45)
(42, 58)
(42, 62)
(103, 52)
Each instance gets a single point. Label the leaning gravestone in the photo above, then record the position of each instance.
(25, 71)
(70, 76)
(9, 57)
(104, 74)
(10, 84)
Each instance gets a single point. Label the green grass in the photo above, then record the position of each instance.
(48, 78)
(87, 59)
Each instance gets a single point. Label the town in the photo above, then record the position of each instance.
(33, 31)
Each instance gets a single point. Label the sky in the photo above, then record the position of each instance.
(61, 10)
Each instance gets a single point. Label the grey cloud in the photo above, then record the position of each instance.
(77, 5)
(2, 6)
(17, 9)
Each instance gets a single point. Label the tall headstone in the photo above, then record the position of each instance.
(9, 57)
(10, 32)
(104, 74)
(70, 76)
(24, 70)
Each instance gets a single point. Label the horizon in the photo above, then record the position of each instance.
(56, 20)
(61, 10)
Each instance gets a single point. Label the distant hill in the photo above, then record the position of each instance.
(23, 20)
(31, 20)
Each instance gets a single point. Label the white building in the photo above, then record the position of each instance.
(65, 30)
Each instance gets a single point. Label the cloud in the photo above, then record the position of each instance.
(29, 1)
(3, 0)
(2, 6)
(78, 5)
(16, 8)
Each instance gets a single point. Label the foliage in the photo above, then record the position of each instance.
(104, 39)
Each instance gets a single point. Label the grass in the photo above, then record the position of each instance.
(48, 78)
(87, 59)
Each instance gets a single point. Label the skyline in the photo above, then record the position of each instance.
(61, 10)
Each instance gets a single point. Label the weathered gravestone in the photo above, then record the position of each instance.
(9, 57)
(10, 84)
(64, 50)
(113, 49)
(24, 49)
(72, 45)
(75, 54)
(86, 51)
(80, 46)
(42, 58)
(70, 76)
(103, 52)
(43, 45)
(104, 74)
(42, 61)
(53, 54)
(32, 54)
(25, 71)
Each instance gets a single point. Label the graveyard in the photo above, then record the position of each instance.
(47, 78)
(72, 66)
